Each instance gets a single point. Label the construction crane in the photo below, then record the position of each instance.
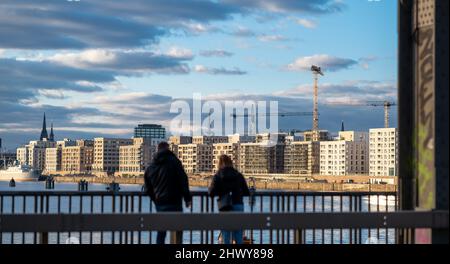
(386, 104)
(280, 114)
(316, 72)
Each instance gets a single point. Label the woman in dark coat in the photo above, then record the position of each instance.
(229, 182)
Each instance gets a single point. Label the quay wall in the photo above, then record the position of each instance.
(260, 185)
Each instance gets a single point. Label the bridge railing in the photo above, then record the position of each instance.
(45, 223)
(132, 202)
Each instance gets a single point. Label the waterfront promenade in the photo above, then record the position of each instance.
(266, 184)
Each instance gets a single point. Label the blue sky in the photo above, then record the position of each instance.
(363, 29)
(100, 68)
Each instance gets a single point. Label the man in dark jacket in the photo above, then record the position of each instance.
(167, 185)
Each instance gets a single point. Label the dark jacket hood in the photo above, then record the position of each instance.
(162, 156)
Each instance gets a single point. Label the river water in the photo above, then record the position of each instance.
(264, 204)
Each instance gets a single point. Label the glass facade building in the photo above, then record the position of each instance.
(150, 131)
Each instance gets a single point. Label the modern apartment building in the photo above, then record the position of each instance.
(22, 155)
(236, 138)
(177, 140)
(53, 156)
(230, 149)
(353, 136)
(134, 159)
(347, 156)
(209, 139)
(293, 138)
(260, 158)
(302, 157)
(320, 135)
(106, 154)
(34, 153)
(383, 151)
(196, 158)
(152, 131)
(271, 138)
(78, 159)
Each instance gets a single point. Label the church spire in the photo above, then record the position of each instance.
(52, 136)
(44, 130)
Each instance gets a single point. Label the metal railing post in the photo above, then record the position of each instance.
(298, 237)
(43, 238)
(175, 237)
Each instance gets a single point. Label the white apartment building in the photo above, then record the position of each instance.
(209, 139)
(106, 153)
(53, 159)
(53, 156)
(236, 138)
(134, 159)
(347, 156)
(22, 155)
(33, 154)
(353, 136)
(177, 140)
(230, 149)
(383, 152)
(78, 159)
(271, 138)
(174, 141)
(196, 158)
(293, 138)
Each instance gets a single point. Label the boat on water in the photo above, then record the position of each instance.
(19, 172)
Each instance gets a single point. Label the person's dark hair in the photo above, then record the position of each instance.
(163, 146)
(225, 161)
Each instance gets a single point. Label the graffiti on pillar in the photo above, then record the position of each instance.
(425, 118)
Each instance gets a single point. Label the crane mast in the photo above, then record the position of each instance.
(316, 72)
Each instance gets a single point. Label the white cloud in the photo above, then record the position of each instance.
(200, 68)
(199, 28)
(306, 23)
(327, 62)
(216, 53)
(218, 71)
(127, 62)
(54, 94)
(182, 53)
(241, 31)
(85, 58)
(271, 38)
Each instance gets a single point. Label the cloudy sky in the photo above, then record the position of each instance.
(97, 68)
